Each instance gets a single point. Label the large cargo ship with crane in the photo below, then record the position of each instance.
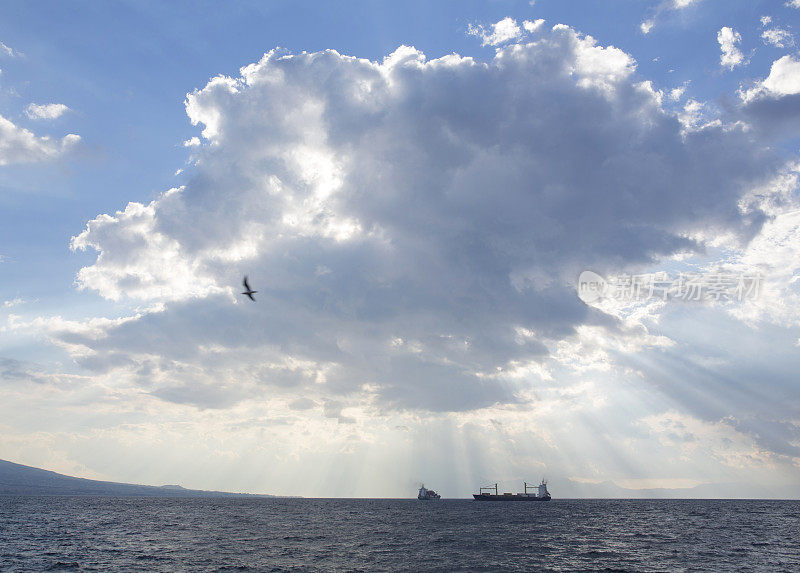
(485, 494)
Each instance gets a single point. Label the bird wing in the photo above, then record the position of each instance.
(250, 296)
(244, 282)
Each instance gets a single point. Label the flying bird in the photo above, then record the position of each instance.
(248, 291)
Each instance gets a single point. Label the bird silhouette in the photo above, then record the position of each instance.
(248, 291)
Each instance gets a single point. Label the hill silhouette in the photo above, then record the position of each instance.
(17, 479)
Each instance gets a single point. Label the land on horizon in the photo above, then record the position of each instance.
(18, 479)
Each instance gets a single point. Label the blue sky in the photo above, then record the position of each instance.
(148, 338)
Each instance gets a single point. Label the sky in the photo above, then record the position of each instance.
(415, 190)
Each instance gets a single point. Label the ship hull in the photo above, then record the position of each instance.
(515, 497)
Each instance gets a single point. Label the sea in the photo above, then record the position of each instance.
(283, 534)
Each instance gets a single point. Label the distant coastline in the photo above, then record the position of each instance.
(18, 479)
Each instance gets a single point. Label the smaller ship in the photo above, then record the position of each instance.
(425, 493)
(541, 495)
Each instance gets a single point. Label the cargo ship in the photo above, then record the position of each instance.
(425, 493)
(485, 494)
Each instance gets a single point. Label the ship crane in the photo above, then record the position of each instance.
(489, 488)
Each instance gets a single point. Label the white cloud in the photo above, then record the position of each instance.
(533, 26)
(446, 209)
(4, 49)
(731, 55)
(778, 37)
(675, 94)
(144, 263)
(46, 111)
(718, 440)
(696, 115)
(766, 20)
(783, 80)
(784, 76)
(498, 33)
(19, 145)
(774, 254)
(793, 3)
(665, 6)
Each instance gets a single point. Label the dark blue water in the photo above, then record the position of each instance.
(146, 534)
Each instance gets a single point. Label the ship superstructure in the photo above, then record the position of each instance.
(425, 493)
(485, 494)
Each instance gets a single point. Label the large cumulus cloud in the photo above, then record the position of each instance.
(413, 226)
